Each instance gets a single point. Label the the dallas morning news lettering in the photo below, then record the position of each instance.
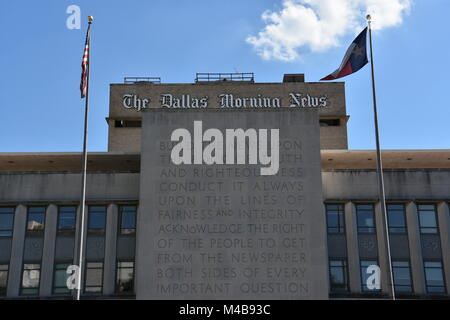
(185, 101)
(132, 101)
(235, 139)
(225, 101)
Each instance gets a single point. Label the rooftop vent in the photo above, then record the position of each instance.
(224, 77)
(131, 80)
(294, 77)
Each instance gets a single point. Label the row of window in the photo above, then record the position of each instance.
(396, 213)
(93, 278)
(434, 276)
(67, 219)
(66, 224)
(335, 219)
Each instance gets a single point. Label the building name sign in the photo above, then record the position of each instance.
(224, 101)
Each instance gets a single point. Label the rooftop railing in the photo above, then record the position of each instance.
(130, 80)
(218, 77)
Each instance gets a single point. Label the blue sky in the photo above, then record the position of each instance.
(173, 39)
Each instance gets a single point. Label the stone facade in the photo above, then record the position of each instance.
(343, 232)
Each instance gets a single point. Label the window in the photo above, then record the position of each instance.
(60, 279)
(396, 218)
(36, 219)
(338, 276)
(67, 218)
(128, 123)
(364, 264)
(329, 122)
(427, 218)
(30, 279)
(97, 218)
(127, 219)
(3, 279)
(6, 222)
(335, 218)
(365, 217)
(125, 277)
(402, 276)
(93, 280)
(434, 277)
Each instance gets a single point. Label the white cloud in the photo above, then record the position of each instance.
(318, 25)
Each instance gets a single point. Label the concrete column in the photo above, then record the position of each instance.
(351, 230)
(382, 249)
(415, 249)
(109, 273)
(15, 265)
(444, 230)
(48, 254)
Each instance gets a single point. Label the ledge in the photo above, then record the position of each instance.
(130, 162)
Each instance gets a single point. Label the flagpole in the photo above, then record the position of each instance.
(381, 191)
(83, 176)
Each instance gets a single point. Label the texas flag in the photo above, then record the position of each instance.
(355, 58)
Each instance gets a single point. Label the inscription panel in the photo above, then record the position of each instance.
(33, 248)
(226, 231)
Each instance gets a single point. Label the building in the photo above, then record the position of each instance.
(339, 231)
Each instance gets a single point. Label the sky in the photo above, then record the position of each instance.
(40, 61)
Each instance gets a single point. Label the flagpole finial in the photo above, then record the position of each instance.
(90, 19)
(369, 17)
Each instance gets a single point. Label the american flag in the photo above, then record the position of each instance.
(85, 64)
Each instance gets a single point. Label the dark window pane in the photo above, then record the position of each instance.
(3, 279)
(96, 221)
(427, 218)
(402, 276)
(67, 218)
(66, 221)
(429, 207)
(434, 277)
(125, 277)
(6, 222)
(60, 279)
(30, 291)
(93, 282)
(427, 221)
(36, 219)
(365, 217)
(335, 218)
(433, 264)
(400, 264)
(30, 279)
(396, 218)
(338, 276)
(97, 218)
(127, 219)
(398, 207)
